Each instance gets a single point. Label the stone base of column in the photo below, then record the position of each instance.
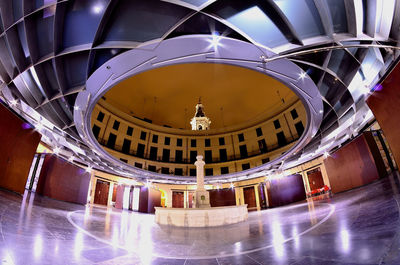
(202, 199)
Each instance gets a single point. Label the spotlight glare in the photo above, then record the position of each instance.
(76, 107)
(39, 126)
(366, 89)
(326, 154)
(302, 75)
(215, 40)
(56, 150)
(71, 159)
(96, 9)
(13, 103)
(232, 186)
(89, 169)
(148, 184)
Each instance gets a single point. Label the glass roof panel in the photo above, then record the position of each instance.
(140, 21)
(338, 14)
(258, 26)
(195, 2)
(303, 16)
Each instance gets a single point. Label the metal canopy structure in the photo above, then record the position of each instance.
(50, 49)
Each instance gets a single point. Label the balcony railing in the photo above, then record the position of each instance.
(147, 156)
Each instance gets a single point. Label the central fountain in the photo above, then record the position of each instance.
(203, 215)
(201, 195)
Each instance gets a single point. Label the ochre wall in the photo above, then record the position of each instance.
(354, 164)
(286, 190)
(231, 140)
(385, 105)
(17, 149)
(63, 181)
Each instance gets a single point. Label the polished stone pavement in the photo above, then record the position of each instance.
(356, 227)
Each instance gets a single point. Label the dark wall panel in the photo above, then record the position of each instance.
(63, 181)
(154, 200)
(385, 104)
(119, 197)
(354, 164)
(261, 195)
(17, 149)
(148, 199)
(143, 199)
(286, 190)
(222, 197)
(376, 154)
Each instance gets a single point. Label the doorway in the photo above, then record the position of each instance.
(250, 198)
(315, 179)
(101, 192)
(177, 199)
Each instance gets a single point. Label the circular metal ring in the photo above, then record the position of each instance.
(196, 49)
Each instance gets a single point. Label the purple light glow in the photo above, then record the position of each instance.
(377, 87)
(26, 126)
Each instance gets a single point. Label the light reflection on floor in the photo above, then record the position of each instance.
(139, 234)
(356, 227)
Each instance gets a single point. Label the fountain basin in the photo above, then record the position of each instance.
(201, 217)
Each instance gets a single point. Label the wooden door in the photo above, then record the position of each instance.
(177, 199)
(250, 198)
(315, 179)
(114, 196)
(101, 192)
(190, 199)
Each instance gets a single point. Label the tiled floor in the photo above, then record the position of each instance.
(356, 227)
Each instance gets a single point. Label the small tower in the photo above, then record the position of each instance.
(200, 121)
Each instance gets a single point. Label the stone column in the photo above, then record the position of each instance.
(237, 196)
(325, 175)
(201, 195)
(306, 182)
(242, 202)
(93, 182)
(169, 198)
(266, 194)
(110, 193)
(200, 173)
(257, 197)
(185, 199)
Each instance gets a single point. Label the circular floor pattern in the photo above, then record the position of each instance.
(363, 229)
(138, 233)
